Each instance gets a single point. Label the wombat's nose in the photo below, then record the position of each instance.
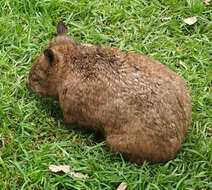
(28, 86)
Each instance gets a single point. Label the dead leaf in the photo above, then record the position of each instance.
(181, 63)
(190, 20)
(63, 168)
(122, 186)
(207, 2)
(78, 175)
(66, 169)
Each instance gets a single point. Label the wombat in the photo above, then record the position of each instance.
(140, 106)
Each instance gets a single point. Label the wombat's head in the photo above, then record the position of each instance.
(43, 77)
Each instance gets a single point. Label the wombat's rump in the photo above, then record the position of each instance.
(141, 107)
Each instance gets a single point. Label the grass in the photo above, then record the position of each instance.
(32, 132)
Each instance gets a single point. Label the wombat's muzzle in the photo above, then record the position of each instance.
(28, 85)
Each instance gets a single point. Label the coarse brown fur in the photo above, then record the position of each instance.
(141, 107)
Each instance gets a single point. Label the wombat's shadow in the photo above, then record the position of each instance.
(53, 108)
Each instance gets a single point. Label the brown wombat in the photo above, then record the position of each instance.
(141, 107)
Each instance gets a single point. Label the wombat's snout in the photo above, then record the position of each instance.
(28, 85)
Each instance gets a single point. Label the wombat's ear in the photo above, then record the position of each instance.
(61, 28)
(49, 54)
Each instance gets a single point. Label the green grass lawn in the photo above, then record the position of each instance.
(32, 132)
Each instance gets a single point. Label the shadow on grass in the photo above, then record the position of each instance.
(52, 108)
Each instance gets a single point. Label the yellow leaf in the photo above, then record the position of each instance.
(122, 186)
(78, 175)
(207, 2)
(190, 20)
(64, 168)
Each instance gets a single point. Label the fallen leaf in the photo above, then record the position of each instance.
(190, 20)
(78, 175)
(64, 168)
(207, 2)
(181, 63)
(122, 186)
